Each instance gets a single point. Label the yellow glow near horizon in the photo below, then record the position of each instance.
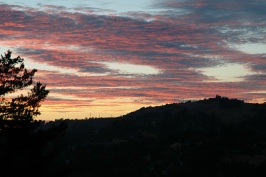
(52, 112)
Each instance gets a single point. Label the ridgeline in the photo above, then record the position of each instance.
(206, 138)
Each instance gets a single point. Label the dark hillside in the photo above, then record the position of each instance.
(227, 110)
(212, 137)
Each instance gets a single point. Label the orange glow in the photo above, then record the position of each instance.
(111, 65)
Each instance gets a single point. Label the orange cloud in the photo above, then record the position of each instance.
(72, 50)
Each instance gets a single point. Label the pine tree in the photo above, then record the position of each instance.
(21, 147)
(19, 112)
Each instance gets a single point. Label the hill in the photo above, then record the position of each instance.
(211, 137)
(227, 110)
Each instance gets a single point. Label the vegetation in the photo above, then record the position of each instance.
(213, 137)
(187, 139)
(21, 147)
(18, 113)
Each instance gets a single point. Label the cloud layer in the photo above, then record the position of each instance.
(114, 64)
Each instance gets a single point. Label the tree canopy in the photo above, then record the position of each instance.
(20, 111)
(23, 144)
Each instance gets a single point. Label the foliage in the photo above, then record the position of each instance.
(23, 148)
(18, 112)
(225, 102)
(170, 140)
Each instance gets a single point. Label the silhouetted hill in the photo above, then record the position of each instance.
(211, 137)
(227, 110)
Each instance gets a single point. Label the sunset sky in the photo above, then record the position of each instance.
(103, 58)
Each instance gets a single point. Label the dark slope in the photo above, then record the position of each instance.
(227, 110)
(208, 138)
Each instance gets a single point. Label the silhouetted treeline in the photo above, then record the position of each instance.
(225, 102)
(199, 138)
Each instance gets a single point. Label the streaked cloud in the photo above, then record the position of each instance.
(118, 56)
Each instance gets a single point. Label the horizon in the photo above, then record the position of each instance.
(108, 58)
(185, 102)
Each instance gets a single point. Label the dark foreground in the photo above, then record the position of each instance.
(217, 137)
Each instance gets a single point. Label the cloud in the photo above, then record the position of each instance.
(175, 53)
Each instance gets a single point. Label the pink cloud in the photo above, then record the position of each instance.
(72, 46)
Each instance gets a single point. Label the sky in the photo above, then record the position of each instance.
(106, 58)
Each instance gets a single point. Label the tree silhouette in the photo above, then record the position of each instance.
(21, 146)
(18, 112)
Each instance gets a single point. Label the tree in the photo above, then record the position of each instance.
(21, 147)
(19, 112)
